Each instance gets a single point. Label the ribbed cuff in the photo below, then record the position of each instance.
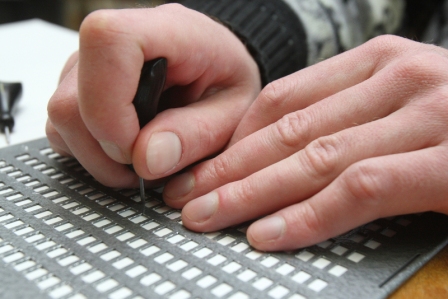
(271, 31)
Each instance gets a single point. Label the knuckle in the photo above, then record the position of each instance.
(62, 109)
(365, 183)
(98, 27)
(244, 192)
(273, 95)
(220, 166)
(309, 218)
(293, 129)
(386, 44)
(321, 156)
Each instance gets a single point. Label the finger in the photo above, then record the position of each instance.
(56, 142)
(304, 174)
(67, 133)
(375, 188)
(166, 146)
(113, 47)
(310, 85)
(357, 105)
(72, 62)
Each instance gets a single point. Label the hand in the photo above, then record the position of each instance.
(211, 81)
(360, 136)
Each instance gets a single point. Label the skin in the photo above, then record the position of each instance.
(354, 138)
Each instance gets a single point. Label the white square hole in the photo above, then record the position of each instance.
(163, 232)
(317, 285)
(78, 269)
(206, 281)
(177, 265)
(305, 256)
(136, 271)
(137, 243)
(337, 271)
(121, 293)
(86, 241)
(113, 229)
(240, 247)
(278, 292)
(181, 294)
(262, 283)
(285, 269)
(339, 250)
(231, 267)
(110, 255)
(150, 250)
(246, 275)
(301, 277)
(106, 285)
(102, 222)
(222, 290)
(125, 236)
(150, 225)
(93, 276)
(176, 239)
(356, 257)
(321, 263)
(57, 252)
(123, 263)
(150, 279)
(226, 240)
(372, 244)
(163, 258)
(164, 288)
(139, 219)
(98, 247)
(269, 261)
(189, 245)
(203, 252)
(64, 262)
(36, 273)
(191, 273)
(74, 234)
(254, 254)
(217, 259)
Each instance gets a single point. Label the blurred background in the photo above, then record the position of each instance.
(68, 13)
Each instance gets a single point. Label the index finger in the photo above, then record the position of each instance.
(113, 47)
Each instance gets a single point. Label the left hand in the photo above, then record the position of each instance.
(357, 137)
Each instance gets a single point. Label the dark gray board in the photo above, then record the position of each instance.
(52, 245)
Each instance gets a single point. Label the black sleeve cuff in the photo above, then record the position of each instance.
(270, 30)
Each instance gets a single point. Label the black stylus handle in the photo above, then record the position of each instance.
(146, 100)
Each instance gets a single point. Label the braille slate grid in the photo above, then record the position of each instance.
(64, 235)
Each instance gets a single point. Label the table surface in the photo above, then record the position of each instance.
(33, 52)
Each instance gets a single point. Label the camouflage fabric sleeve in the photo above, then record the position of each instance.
(286, 35)
(333, 26)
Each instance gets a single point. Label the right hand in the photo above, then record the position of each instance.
(211, 81)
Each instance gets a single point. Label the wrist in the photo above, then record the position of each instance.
(270, 30)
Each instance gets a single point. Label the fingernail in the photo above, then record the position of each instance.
(202, 208)
(163, 152)
(114, 152)
(268, 229)
(179, 186)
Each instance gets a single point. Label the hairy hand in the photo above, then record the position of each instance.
(354, 138)
(211, 82)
